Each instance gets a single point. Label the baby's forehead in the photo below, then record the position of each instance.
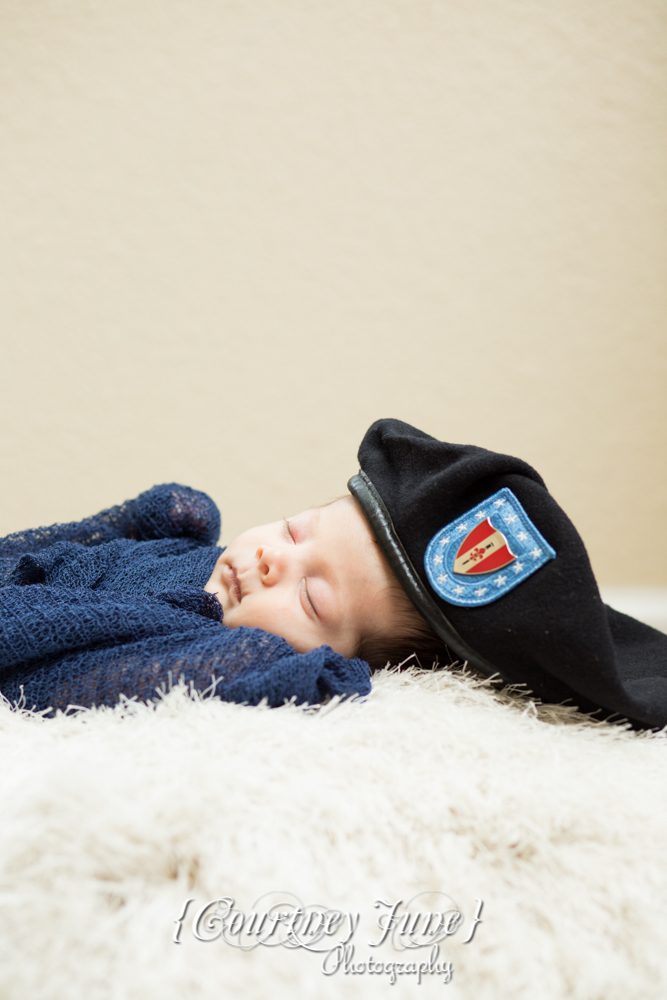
(342, 517)
(348, 529)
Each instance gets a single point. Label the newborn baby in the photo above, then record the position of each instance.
(129, 601)
(320, 578)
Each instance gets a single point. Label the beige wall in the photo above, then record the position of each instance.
(237, 231)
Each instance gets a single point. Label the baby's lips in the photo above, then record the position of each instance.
(233, 586)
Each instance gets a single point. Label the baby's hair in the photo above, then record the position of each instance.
(411, 636)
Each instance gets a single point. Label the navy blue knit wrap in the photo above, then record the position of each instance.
(114, 606)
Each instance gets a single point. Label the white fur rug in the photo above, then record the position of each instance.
(111, 820)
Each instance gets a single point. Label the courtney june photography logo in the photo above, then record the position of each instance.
(422, 924)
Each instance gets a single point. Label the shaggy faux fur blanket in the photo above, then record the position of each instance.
(137, 842)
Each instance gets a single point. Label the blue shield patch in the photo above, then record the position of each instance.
(485, 553)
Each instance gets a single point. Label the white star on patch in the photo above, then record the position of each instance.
(459, 590)
(499, 503)
(480, 514)
(442, 578)
(500, 580)
(510, 519)
(462, 527)
(518, 567)
(522, 536)
(536, 552)
(482, 590)
(443, 541)
(437, 560)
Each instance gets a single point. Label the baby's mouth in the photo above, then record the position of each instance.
(233, 585)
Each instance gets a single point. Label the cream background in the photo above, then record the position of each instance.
(235, 233)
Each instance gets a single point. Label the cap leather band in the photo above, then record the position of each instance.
(379, 518)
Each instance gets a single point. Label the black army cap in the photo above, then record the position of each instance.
(501, 575)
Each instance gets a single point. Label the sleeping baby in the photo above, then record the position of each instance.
(321, 578)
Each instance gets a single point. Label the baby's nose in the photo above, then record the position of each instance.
(271, 563)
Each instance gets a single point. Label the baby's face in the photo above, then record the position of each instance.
(315, 579)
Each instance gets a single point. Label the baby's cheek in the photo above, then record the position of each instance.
(254, 614)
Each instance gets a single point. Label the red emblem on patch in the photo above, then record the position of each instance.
(483, 550)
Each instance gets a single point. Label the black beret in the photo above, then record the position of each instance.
(500, 573)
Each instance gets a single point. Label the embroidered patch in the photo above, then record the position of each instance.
(486, 552)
